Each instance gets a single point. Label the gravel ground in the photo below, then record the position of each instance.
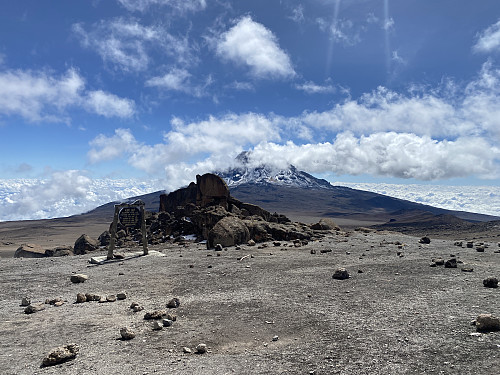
(276, 311)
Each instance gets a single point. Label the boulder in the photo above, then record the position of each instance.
(325, 224)
(340, 274)
(211, 190)
(60, 355)
(78, 278)
(451, 263)
(104, 238)
(33, 308)
(490, 282)
(60, 251)
(30, 251)
(127, 333)
(425, 240)
(228, 231)
(487, 323)
(85, 244)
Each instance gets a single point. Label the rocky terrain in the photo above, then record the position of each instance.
(265, 309)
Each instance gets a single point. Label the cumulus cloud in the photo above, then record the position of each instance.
(427, 134)
(251, 44)
(179, 80)
(489, 39)
(127, 44)
(179, 5)
(40, 96)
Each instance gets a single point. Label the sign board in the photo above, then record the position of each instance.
(130, 217)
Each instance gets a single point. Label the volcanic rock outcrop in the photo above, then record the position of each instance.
(207, 210)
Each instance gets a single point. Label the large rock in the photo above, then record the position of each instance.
(212, 190)
(487, 323)
(85, 244)
(61, 354)
(229, 231)
(325, 224)
(30, 251)
(59, 251)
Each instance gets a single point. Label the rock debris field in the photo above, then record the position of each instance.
(405, 308)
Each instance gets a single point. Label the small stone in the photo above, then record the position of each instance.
(171, 317)
(61, 355)
(59, 303)
(157, 326)
(433, 264)
(275, 338)
(78, 278)
(103, 299)
(186, 350)
(137, 308)
(451, 263)
(111, 298)
(237, 248)
(470, 245)
(313, 251)
(324, 251)
(251, 243)
(25, 301)
(467, 269)
(134, 304)
(340, 274)
(425, 240)
(201, 348)
(438, 261)
(277, 244)
(167, 322)
(360, 271)
(121, 296)
(31, 309)
(127, 333)
(218, 247)
(490, 282)
(480, 249)
(157, 314)
(173, 303)
(487, 323)
(347, 253)
(81, 298)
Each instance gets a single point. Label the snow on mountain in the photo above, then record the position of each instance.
(261, 175)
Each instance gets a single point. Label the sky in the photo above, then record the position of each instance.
(360, 91)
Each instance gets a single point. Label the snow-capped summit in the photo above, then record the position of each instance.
(266, 175)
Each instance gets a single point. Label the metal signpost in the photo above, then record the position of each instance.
(130, 216)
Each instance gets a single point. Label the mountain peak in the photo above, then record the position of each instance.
(268, 175)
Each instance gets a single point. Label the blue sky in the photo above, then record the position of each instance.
(354, 90)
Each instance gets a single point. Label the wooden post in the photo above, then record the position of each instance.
(113, 232)
(143, 229)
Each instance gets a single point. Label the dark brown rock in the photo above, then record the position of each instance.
(487, 323)
(30, 251)
(85, 244)
(61, 355)
(490, 282)
(340, 274)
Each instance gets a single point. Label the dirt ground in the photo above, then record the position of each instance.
(397, 316)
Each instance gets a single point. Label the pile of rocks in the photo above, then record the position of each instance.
(206, 210)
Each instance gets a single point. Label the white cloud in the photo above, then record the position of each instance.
(39, 96)
(179, 5)
(175, 80)
(489, 39)
(340, 31)
(109, 105)
(313, 88)
(65, 193)
(298, 14)
(127, 44)
(108, 148)
(251, 44)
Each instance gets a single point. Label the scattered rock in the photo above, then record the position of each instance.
(324, 251)
(53, 301)
(425, 240)
(30, 251)
(186, 350)
(325, 224)
(201, 348)
(251, 243)
(438, 261)
(487, 323)
(173, 303)
(78, 278)
(81, 298)
(218, 247)
(85, 244)
(138, 308)
(340, 274)
(25, 301)
(275, 338)
(92, 297)
(490, 282)
(157, 326)
(458, 243)
(451, 263)
(470, 245)
(157, 314)
(480, 249)
(127, 333)
(121, 296)
(467, 269)
(277, 243)
(111, 298)
(61, 355)
(33, 308)
(313, 251)
(167, 322)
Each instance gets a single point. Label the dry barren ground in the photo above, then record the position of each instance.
(399, 316)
